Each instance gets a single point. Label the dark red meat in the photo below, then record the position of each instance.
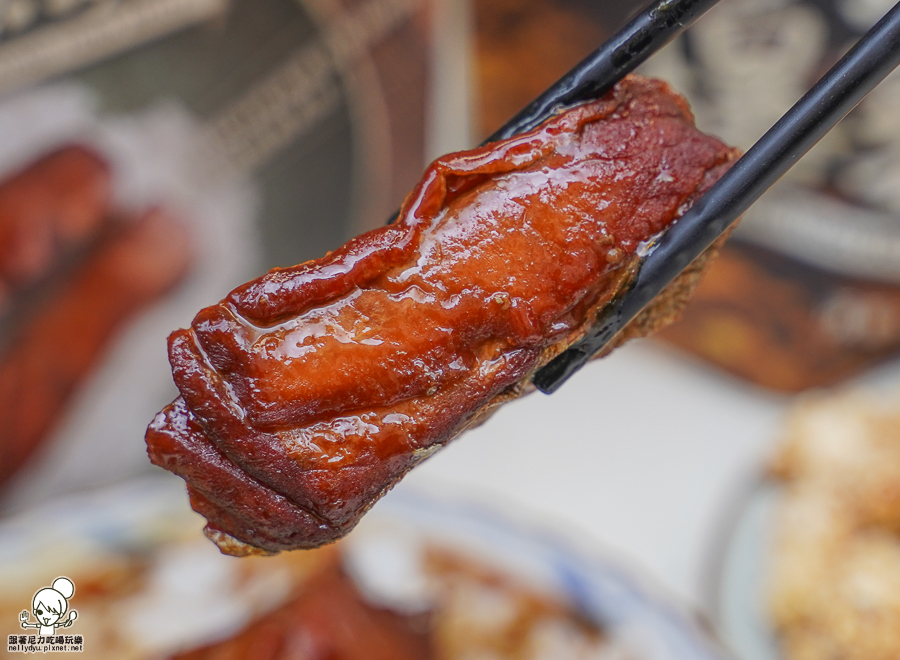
(308, 392)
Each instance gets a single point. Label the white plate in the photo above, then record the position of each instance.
(739, 586)
(143, 514)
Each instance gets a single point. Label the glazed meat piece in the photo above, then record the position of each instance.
(308, 392)
(48, 210)
(57, 344)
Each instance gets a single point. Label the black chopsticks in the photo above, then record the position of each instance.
(836, 93)
(596, 74)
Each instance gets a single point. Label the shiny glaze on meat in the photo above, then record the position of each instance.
(308, 392)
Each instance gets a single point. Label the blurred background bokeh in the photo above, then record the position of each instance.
(154, 154)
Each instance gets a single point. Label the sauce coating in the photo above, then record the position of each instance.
(308, 392)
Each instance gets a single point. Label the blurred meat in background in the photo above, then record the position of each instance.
(835, 571)
(55, 335)
(458, 586)
(214, 140)
(47, 212)
(475, 612)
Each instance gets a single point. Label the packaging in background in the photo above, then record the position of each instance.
(807, 291)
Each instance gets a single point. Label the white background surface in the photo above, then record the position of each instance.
(643, 452)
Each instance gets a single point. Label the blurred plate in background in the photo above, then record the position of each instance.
(148, 583)
(739, 585)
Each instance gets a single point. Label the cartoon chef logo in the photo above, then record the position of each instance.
(49, 607)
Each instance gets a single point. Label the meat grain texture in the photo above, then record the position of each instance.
(307, 393)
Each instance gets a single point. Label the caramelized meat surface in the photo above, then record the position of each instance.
(308, 392)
